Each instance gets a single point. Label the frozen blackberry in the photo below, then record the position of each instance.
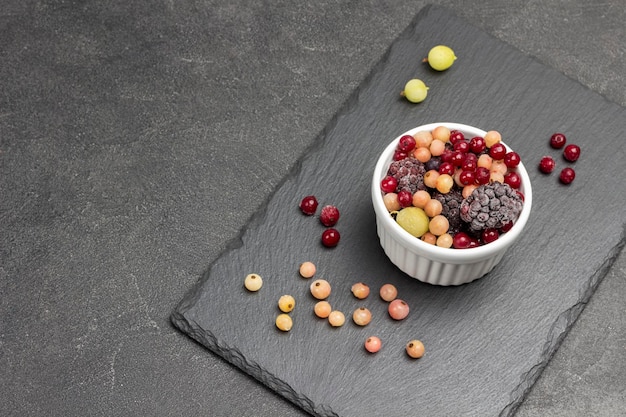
(491, 206)
(451, 203)
(409, 172)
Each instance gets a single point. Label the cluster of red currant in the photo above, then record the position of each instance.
(571, 153)
(328, 217)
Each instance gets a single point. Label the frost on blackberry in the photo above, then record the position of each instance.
(409, 172)
(491, 206)
(451, 203)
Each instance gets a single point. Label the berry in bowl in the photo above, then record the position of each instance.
(449, 199)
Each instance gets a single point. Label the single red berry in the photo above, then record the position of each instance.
(308, 205)
(446, 168)
(477, 145)
(406, 144)
(399, 155)
(497, 151)
(470, 162)
(513, 179)
(461, 240)
(490, 235)
(456, 136)
(447, 155)
(467, 177)
(329, 215)
(571, 153)
(506, 227)
(557, 141)
(482, 175)
(388, 184)
(474, 243)
(567, 175)
(547, 164)
(405, 198)
(461, 146)
(330, 238)
(457, 158)
(512, 159)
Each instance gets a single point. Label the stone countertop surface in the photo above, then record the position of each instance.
(137, 138)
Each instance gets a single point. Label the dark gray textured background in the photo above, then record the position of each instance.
(136, 140)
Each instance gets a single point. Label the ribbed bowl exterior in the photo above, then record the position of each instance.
(429, 263)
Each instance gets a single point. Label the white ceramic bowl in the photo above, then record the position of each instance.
(430, 263)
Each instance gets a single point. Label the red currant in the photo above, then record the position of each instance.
(329, 215)
(406, 144)
(512, 159)
(547, 164)
(477, 145)
(461, 240)
(497, 151)
(447, 155)
(330, 237)
(490, 235)
(567, 175)
(405, 198)
(470, 162)
(457, 158)
(456, 136)
(446, 168)
(571, 153)
(308, 205)
(557, 141)
(506, 227)
(482, 175)
(462, 146)
(467, 177)
(399, 155)
(388, 184)
(513, 179)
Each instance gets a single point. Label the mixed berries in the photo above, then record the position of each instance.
(329, 216)
(320, 291)
(571, 153)
(450, 188)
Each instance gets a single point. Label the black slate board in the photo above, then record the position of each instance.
(487, 341)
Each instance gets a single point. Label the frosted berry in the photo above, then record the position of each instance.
(557, 141)
(398, 309)
(329, 215)
(547, 164)
(567, 175)
(308, 205)
(373, 344)
(415, 349)
(571, 153)
(330, 237)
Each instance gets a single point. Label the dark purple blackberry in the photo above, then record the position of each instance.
(433, 163)
(451, 203)
(409, 172)
(491, 206)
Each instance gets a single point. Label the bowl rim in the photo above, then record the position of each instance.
(432, 251)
